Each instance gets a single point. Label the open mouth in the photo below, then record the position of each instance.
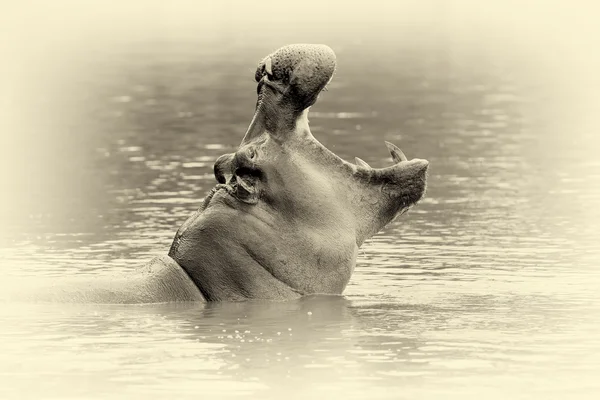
(289, 81)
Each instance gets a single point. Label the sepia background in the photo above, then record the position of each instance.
(113, 113)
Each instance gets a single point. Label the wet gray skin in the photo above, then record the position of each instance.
(287, 216)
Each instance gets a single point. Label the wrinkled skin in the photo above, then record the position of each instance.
(287, 216)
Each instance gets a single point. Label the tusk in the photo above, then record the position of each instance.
(397, 154)
(269, 67)
(361, 163)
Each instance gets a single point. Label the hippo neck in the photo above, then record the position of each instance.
(211, 258)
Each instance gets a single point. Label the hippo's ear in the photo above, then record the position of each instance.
(384, 193)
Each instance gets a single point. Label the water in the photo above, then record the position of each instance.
(488, 287)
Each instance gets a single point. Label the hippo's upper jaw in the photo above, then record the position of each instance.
(287, 215)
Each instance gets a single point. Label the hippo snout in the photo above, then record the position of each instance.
(300, 70)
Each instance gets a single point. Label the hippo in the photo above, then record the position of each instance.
(286, 216)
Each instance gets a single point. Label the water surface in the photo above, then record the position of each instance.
(488, 287)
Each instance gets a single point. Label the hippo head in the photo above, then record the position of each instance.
(287, 215)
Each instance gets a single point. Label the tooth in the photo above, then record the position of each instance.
(268, 66)
(361, 163)
(397, 154)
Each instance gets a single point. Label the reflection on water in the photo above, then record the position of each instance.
(488, 286)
